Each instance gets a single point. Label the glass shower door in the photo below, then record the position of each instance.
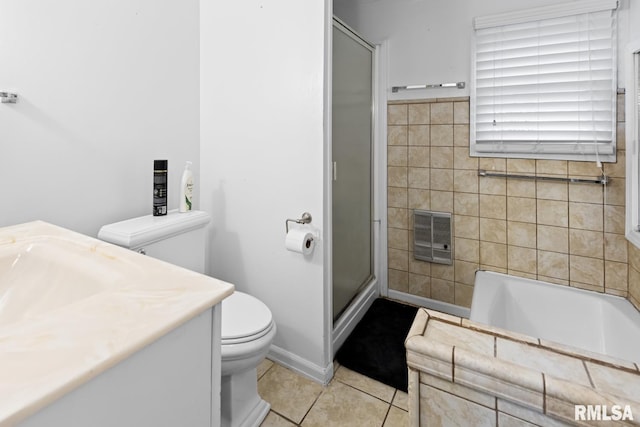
(352, 137)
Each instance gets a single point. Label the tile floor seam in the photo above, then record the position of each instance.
(324, 388)
(367, 393)
(265, 372)
(395, 393)
(285, 417)
(376, 397)
(386, 416)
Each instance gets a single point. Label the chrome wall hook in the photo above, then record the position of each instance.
(8, 98)
(306, 219)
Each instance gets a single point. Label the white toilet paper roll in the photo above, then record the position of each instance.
(300, 240)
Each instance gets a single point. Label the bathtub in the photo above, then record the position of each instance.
(591, 321)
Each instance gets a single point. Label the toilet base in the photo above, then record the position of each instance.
(241, 404)
(257, 415)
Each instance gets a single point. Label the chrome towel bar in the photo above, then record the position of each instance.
(602, 180)
(459, 85)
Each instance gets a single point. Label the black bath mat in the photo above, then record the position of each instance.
(375, 348)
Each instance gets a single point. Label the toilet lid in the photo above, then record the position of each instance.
(244, 316)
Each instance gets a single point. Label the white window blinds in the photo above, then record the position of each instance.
(544, 83)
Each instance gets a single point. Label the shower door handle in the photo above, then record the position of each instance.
(335, 171)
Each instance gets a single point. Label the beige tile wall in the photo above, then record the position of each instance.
(569, 234)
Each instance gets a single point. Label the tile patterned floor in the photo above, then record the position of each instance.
(350, 399)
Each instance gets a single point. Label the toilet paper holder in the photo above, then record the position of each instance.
(306, 219)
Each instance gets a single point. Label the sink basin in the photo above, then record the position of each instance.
(43, 274)
(72, 306)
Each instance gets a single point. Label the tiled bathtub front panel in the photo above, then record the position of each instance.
(444, 409)
(560, 233)
(461, 370)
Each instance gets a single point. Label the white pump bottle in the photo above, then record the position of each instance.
(186, 189)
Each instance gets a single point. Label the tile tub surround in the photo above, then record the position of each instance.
(466, 373)
(61, 335)
(567, 234)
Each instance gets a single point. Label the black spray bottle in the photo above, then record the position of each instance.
(160, 168)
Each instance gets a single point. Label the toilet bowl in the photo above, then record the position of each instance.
(247, 332)
(247, 324)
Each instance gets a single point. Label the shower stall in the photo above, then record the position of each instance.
(353, 130)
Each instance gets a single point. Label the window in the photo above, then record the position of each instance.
(632, 124)
(544, 83)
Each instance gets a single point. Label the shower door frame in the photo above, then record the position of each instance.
(355, 310)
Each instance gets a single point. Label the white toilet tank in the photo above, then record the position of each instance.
(178, 238)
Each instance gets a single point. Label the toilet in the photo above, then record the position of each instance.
(247, 324)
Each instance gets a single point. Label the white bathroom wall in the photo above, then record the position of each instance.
(105, 87)
(429, 40)
(634, 18)
(262, 147)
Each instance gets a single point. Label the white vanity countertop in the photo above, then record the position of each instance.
(72, 306)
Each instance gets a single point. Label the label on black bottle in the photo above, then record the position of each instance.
(159, 193)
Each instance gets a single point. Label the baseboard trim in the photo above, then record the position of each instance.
(429, 303)
(300, 365)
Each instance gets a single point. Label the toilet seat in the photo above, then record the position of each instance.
(244, 319)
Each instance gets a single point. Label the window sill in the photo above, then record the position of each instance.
(530, 153)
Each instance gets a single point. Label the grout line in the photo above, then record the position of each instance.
(495, 346)
(367, 393)
(389, 404)
(395, 390)
(284, 417)
(267, 370)
(584, 364)
(384, 420)
(312, 405)
(453, 364)
(544, 394)
(467, 399)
